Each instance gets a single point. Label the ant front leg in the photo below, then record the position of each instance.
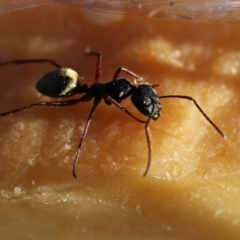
(29, 61)
(109, 99)
(149, 147)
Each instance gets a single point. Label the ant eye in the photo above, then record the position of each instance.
(154, 111)
(62, 82)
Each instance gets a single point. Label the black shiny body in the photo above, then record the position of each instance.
(144, 97)
(64, 82)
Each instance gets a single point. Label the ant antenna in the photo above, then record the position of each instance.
(199, 108)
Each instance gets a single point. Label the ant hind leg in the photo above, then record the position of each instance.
(29, 61)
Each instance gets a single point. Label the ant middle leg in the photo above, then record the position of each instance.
(29, 61)
(127, 71)
(85, 130)
(98, 70)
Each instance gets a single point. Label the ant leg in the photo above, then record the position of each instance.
(130, 73)
(99, 62)
(199, 108)
(111, 100)
(149, 147)
(46, 104)
(145, 127)
(27, 61)
(95, 103)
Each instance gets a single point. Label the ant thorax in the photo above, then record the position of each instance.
(119, 89)
(140, 80)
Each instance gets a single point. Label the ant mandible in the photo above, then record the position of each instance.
(64, 82)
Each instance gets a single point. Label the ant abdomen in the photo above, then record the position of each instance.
(61, 82)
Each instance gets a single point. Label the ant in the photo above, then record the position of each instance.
(65, 82)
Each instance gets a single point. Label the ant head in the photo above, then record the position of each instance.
(145, 99)
(61, 82)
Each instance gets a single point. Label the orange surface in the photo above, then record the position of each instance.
(192, 189)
